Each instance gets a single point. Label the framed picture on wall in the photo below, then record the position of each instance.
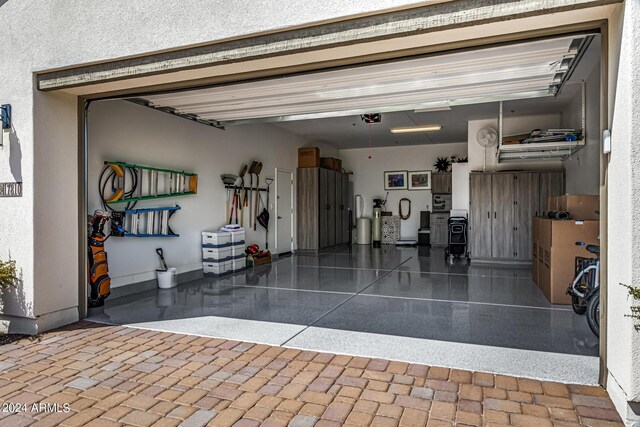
(419, 180)
(395, 180)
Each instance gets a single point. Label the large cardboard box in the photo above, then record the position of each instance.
(581, 206)
(331, 163)
(308, 157)
(557, 251)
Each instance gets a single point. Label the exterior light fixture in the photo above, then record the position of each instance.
(5, 112)
(428, 128)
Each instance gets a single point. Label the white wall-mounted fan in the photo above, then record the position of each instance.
(487, 137)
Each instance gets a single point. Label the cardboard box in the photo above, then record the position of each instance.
(514, 139)
(581, 206)
(308, 157)
(557, 251)
(331, 163)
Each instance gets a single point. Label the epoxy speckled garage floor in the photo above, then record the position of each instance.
(396, 303)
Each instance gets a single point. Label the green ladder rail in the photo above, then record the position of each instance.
(149, 183)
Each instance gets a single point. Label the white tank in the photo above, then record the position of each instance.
(364, 231)
(359, 206)
(376, 228)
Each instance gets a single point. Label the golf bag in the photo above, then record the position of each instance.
(98, 269)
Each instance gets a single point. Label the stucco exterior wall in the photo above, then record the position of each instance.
(623, 342)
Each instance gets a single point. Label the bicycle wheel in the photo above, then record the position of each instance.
(578, 305)
(593, 312)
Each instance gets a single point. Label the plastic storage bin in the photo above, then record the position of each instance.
(237, 237)
(216, 254)
(239, 264)
(217, 268)
(216, 239)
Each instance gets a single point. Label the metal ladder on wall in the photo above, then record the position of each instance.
(149, 222)
(149, 183)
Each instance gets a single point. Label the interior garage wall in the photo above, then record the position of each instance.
(368, 176)
(122, 131)
(583, 169)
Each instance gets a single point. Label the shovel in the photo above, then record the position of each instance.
(252, 171)
(243, 171)
(257, 204)
(161, 254)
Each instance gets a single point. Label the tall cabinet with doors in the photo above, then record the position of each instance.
(322, 208)
(501, 207)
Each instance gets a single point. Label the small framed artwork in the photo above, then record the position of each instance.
(419, 180)
(395, 180)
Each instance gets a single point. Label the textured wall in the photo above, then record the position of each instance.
(623, 342)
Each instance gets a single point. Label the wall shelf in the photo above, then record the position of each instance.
(539, 151)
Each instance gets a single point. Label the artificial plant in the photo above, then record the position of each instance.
(634, 292)
(442, 164)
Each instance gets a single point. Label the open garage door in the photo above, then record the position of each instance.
(490, 317)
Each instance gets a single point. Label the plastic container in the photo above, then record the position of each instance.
(237, 251)
(167, 279)
(364, 231)
(239, 264)
(217, 268)
(237, 237)
(216, 239)
(216, 254)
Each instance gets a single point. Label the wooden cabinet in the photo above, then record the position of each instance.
(439, 228)
(527, 202)
(502, 225)
(501, 208)
(322, 198)
(441, 183)
(480, 215)
(345, 208)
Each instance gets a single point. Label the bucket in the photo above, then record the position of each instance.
(167, 279)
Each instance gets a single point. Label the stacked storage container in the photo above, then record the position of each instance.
(222, 252)
(238, 257)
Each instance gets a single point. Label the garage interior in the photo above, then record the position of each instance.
(325, 286)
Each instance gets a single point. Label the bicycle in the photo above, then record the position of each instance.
(585, 288)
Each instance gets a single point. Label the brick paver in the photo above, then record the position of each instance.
(99, 375)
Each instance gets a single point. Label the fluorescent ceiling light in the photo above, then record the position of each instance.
(433, 109)
(427, 128)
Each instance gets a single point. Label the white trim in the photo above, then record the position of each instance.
(275, 238)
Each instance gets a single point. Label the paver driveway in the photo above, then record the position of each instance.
(114, 375)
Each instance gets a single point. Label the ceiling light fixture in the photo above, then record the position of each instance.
(428, 128)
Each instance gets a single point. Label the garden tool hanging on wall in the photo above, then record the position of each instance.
(263, 218)
(252, 171)
(243, 191)
(258, 169)
(98, 268)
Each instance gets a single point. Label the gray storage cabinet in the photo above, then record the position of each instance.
(501, 208)
(441, 183)
(323, 208)
(439, 228)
